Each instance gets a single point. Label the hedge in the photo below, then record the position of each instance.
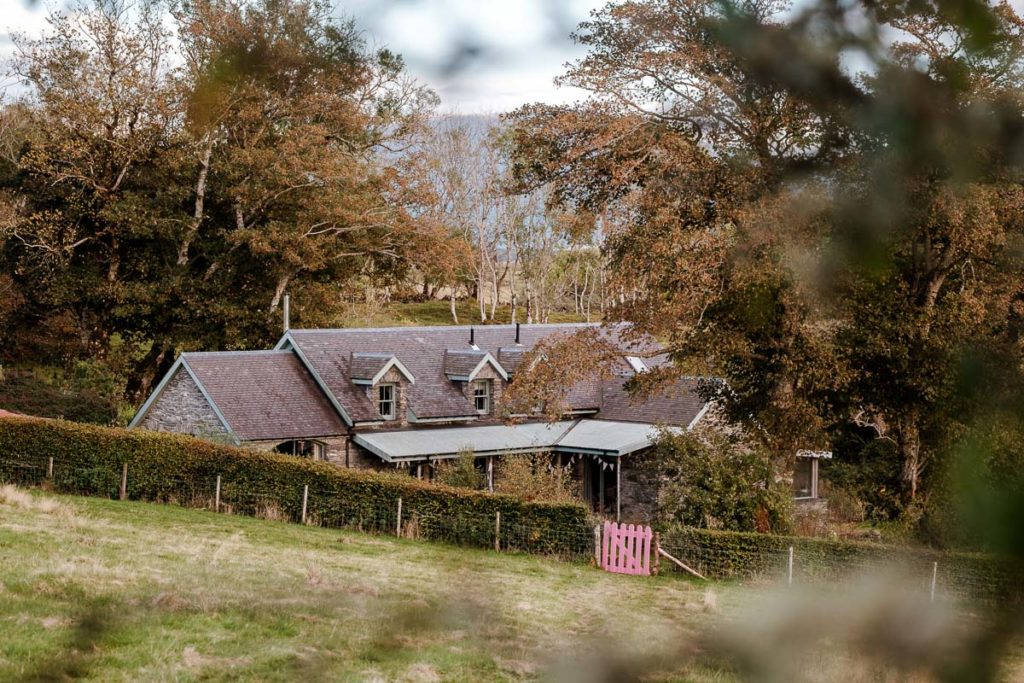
(88, 460)
(728, 554)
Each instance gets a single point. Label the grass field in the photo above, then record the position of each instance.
(133, 591)
(122, 591)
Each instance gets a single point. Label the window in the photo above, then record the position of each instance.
(303, 448)
(805, 478)
(482, 396)
(386, 401)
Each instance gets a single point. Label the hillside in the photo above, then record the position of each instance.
(155, 592)
(439, 313)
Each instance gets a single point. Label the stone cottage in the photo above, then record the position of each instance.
(409, 397)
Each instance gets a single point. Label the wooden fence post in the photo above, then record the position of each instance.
(124, 482)
(49, 468)
(789, 568)
(656, 554)
(398, 524)
(216, 496)
(305, 500)
(497, 530)
(597, 544)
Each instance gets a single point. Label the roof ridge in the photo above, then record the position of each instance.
(447, 327)
(254, 352)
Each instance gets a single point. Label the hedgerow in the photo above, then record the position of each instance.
(88, 460)
(743, 555)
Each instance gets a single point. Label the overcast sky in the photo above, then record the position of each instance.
(481, 56)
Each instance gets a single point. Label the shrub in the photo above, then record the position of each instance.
(460, 472)
(712, 480)
(34, 396)
(88, 460)
(534, 478)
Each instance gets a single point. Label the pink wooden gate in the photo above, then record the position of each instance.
(626, 548)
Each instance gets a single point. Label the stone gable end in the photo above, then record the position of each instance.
(182, 408)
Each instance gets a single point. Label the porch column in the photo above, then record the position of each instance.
(600, 486)
(618, 489)
(814, 477)
(490, 473)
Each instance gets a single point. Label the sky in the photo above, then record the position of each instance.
(480, 56)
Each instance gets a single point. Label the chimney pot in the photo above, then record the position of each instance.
(517, 333)
(472, 336)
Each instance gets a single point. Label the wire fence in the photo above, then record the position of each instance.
(315, 504)
(754, 558)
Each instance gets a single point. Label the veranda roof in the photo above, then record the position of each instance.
(596, 437)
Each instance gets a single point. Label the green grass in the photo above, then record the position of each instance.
(112, 590)
(438, 313)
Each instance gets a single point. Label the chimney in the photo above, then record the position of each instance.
(287, 311)
(517, 334)
(472, 336)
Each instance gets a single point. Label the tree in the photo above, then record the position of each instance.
(171, 190)
(833, 244)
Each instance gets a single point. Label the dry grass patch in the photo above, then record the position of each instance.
(15, 497)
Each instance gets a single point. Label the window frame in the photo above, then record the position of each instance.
(485, 385)
(392, 401)
(304, 448)
(812, 477)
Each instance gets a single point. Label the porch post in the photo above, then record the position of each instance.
(618, 489)
(814, 477)
(490, 473)
(600, 486)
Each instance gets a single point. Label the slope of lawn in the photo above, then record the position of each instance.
(108, 590)
(403, 314)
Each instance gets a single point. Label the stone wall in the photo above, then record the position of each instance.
(393, 376)
(182, 408)
(639, 490)
(356, 457)
(497, 387)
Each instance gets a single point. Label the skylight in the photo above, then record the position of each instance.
(636, 364)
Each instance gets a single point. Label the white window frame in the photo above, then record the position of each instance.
(392, 401)
(485, 386)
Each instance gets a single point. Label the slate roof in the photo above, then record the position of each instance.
(510, 358)
(421, 350)
(365, 366)
(265, 394)
(677, 403)
(273, 395)
(462, 362)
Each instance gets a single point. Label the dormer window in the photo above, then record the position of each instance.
(482, 396)
(386, 401)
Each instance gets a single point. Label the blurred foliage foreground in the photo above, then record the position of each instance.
(822, 205)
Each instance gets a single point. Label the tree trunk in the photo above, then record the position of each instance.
(197, 215)
(451, 300)
(910, 452)
(156, 362)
